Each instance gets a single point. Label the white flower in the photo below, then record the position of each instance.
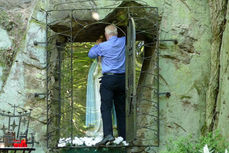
(206, 149)
(118, 140)
(77, 141)
(88, 141)
(125, 143)
(61, 144)
(96, 140)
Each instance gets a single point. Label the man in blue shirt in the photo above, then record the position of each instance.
(112, 88)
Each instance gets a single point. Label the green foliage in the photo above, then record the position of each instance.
(74, 90)
(215, 142)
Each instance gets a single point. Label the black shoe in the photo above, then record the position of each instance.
(107, 139)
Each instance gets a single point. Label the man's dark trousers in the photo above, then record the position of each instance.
(112, 89)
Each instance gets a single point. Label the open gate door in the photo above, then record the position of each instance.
(130, 82)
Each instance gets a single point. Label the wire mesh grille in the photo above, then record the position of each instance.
(62, 44)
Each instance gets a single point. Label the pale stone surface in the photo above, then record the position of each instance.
(5, 42)
(15, 4)
(13, 91)
(184, 67)
(1, 73)
(41, 16)
(36, 54)
(218, 12)
(27, 74)
(223, 95)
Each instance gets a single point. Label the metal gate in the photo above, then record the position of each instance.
(130, 81)
(61, 108)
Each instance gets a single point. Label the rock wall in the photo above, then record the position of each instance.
(221, 113)
(194, 71)
(184, 67)
(24, 74)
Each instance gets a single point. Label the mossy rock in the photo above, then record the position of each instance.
(5, 21)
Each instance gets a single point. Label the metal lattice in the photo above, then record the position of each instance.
(15, 126)
(139, 22)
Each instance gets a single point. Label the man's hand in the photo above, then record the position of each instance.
(99, 41)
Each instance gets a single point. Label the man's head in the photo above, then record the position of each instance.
(110, 31)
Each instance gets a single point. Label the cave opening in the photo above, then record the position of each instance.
(68, 68)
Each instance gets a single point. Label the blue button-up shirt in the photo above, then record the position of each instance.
(112, 54)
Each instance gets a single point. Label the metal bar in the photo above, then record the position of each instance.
(27, 130)
(47, 82)
(3, 114)
(62, 113)
(148, 58)
(38, 42)
(107, 146)
(57, 34)
(82, 1)
(9, 124)
(155, 134)
(152, 115)
(71, 81)
(19, 126)
(38, 94)
(149, 100)
(173, 40)
(149, 73)
(149, 104)
(158, 83)
(167, 94)
(82, 25)
(53, 132)
(59, 91)
(146, 32)
(149, 128)
(101, 8)
(150, 87)
(76, 35)
(15, 148)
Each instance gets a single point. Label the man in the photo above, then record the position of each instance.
(112, 88)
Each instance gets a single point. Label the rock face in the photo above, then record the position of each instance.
(5, 42)
(23, 64)
(194, 71)
(185, 66)
(221, 113)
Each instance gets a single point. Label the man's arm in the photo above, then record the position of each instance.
(93, 53)
(95, 50)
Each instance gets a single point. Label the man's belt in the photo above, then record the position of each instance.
(113, 73)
